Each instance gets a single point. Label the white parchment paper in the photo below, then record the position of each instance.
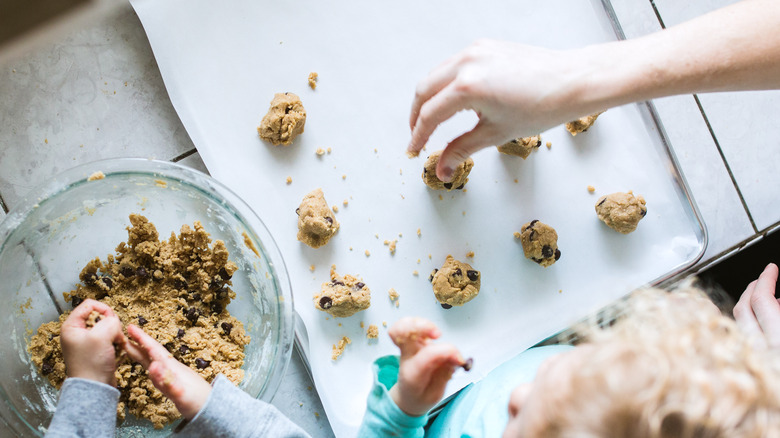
(222, 62)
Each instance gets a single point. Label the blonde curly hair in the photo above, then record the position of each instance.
(669, 365)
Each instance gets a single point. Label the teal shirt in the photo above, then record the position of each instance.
(478, 410)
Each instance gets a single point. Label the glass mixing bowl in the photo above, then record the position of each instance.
(49, 237)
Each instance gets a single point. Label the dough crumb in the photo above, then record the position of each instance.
(362, 324)
(384, 323)
(373, 332)
(160, 183)
(393, 294)
(289, 180)
(335, 208)
(591, 189)
(338, 350)
(329, 150)
(320, 152)
(419, 232)
(517, 235)
(470, 254)
(391, 245)
(549, 145)
(344, 176)
(515, 180)
(410, 154)
(521, 147)
(582, 124)
(415, 273)
(312, 268)
(313, 78)
(96, 176)
(368, 254)
(249, 244)
(346, 203)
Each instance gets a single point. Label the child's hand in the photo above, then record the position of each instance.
(89, 352)
(186, 388)
(758, 311)
(425, 367)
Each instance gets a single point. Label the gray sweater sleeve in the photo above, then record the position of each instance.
(85, 409)
(230, 412)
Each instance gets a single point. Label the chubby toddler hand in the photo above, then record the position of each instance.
(186, 388)
(89, 351)
(425, 367)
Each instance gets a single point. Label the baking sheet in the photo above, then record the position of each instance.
(222, 63)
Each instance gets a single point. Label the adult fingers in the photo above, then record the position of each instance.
(153, 349)
(412, 333)
(765, 305)
(443, 105)
(743, 312)
(461, 148)
(436, 80)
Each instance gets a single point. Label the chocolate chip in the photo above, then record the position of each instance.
(127, 271)
(216, 308)
(142, 273)
(75, 301)
(446, 306)
(460, 187)
(425, 171)
(432, 275)
(222, 293)
(538, 143)
(215, 285)
(329, 219)
(532, 235)
(179, 284)
(142, 321)
(108, 282)
(169, 346)
(97, 319)
(184, 349)
(547, 251)
(180, 333)
(298, 211)
(90, 278)
(536, 260)
(196, 297)
(337, 283)
(557, 254)
(533, 222)
(360, 285)
(227, 327)
(515, 141)
(473, 275)
(192, 315)
(458, 272)
(326, 303)
(46, 368)
(601, 202)
(224, 274)
(202, 364)
(448, 185)
(643, 212)
(468, 364)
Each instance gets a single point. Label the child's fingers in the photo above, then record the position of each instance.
(421, 368)
(109, 328)
(137, 353)
(153, 349)
(410, 334)
(78, 317)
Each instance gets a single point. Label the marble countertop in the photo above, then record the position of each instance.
(97, 93)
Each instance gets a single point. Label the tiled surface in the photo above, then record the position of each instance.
(97, 93)
(745, 125)
(718, 200)
(195, 162)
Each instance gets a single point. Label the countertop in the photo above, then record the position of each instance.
(97, 93)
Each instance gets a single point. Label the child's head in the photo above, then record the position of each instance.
(670, 366)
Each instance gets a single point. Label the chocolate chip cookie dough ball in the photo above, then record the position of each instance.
(284, 121)
(521, 147)
(582, 124)
(343, 296)
(540, 243)
(316, 221)
(455, 284)
(621, 211)
(459, 176)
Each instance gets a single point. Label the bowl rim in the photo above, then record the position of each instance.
(257, 231)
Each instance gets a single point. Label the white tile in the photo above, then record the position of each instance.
(676, 11)
(194, 161)
(96, 93)
(746, 127)
(725, 217)
(298, 400)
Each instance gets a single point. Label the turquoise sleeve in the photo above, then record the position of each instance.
(383, 418)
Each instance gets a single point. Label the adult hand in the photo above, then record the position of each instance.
(516, 90)
(758, 311)
(89, 352)
(181, 384)
(425, 367)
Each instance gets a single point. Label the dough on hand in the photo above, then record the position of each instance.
(582, 124)
(284, 121)
(540, 243)
(343, 296)
(521, 147)
(456, 283)
(459, 175)
(316, 221)
(621, 211)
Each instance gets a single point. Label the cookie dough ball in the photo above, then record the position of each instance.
(316, 221)
(582, 124)
(284, 121)
(343, 296)
(521, 147)
(540, 243)
(456, 283)
(459, 176)
(621, 211)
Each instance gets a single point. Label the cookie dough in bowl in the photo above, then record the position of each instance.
(60, 227)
